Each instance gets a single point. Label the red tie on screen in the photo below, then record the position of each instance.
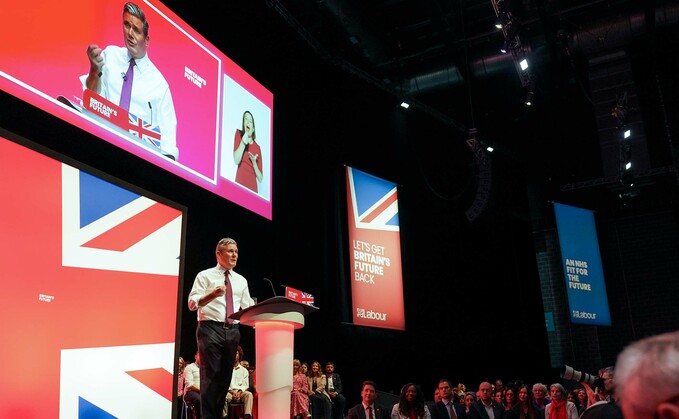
(126, 93)
(229, 297)
(370, 413)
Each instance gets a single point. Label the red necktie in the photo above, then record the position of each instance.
(370, 413)
(451, 411)
(229, 297)
(126, 92)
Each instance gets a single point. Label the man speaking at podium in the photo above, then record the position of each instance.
(217, 293)
(127, 77)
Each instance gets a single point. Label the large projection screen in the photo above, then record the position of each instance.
(375, 251)
(44, 55)
(90, 278)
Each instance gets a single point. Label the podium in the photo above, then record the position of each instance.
(275, 321)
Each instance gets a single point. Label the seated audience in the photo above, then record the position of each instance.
(560, 408)
(509, 398)
(334, 383)
(321, 407)
(524, 407)
(539, 397)
(486, 406)
(299, 397)
(410, 404)
(444, 409)
(469, 398)
(180, 382)
(367, 409)
(583, 401)
(192, 386)
(238, 389)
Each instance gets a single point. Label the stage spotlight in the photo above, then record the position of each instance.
(628, 165)
(523, 64)
(627, 133)
(405, 105)
(505, 47)
(498, 25)
(529, 99)
(490, 149)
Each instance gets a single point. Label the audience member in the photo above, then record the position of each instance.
(486, 407)
(469, 398)
(583, 401)
(334, 389)
(499, 386)
(509, 398)
(437, 396)
(498, 396)
(305, 369)
(410, 404)
(367, 409)
(299, 397)
(251, 386)
(539, 397)
(647, 376)
(192, 385)
(560, 408)
(321, 406)
(447, 408)
(180, 381)
(524, 408)
(238, 389)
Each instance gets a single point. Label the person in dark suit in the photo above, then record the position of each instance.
(480, 408)
(442, 408)
(334, 388)
(367, 409)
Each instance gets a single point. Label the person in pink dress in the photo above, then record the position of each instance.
(299, 397)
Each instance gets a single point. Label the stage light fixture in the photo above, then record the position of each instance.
(490, 149)
(529, 99)
(498, 25)
(627, 133)
(405, 105)
(628, 165)
(523, 64)
(505, 47)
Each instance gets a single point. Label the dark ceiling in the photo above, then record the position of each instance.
(585, 58)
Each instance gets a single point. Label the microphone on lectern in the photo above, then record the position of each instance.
(272, 287)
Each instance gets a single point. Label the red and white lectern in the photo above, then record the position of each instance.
(275, 321)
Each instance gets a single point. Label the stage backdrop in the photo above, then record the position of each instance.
(90, 278)
(375, 251)
(584, 274)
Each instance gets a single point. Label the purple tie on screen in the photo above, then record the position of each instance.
(126, 92)
(229, 297)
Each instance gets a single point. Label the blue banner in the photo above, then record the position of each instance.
(585, 285)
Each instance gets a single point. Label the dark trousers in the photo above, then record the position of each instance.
(338, 406)
(192, 398)
(217, 347)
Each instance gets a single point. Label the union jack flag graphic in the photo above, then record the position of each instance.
(375, 251)
(91, 274)
(299, 296)
(374, 201)
(146, 131)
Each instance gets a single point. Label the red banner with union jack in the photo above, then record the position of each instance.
(375, 251)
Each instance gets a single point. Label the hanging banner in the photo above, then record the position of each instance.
(375, 251)
(581, 260)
